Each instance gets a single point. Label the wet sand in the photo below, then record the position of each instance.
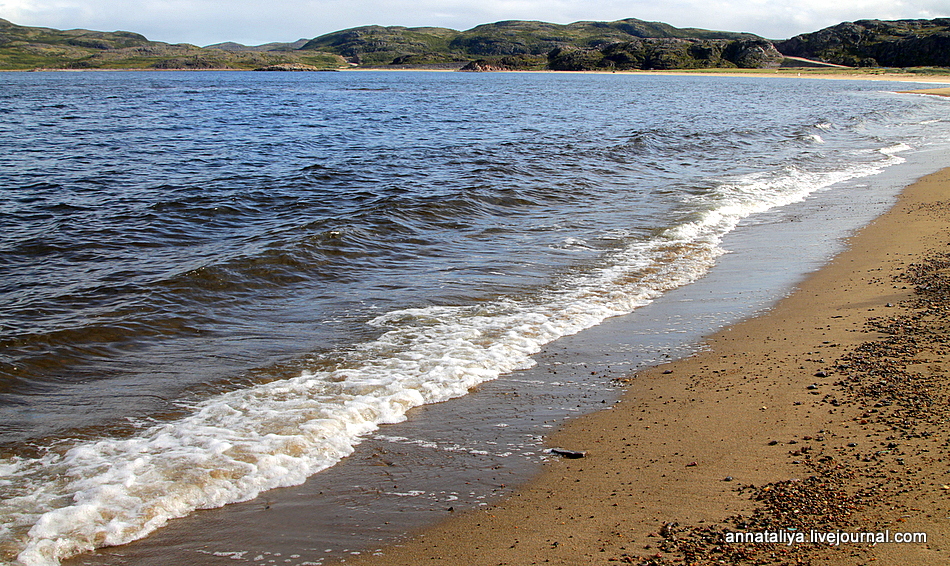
(933, 91)
(828, 413)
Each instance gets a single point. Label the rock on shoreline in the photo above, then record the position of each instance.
(290, 67)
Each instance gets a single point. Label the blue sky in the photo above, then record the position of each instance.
(252, 22)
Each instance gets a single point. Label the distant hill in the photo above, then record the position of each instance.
(23, 47)
(508, 45)
(874, 43)
(237, 47)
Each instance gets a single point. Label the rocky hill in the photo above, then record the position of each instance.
(875, 43)
(665, 54)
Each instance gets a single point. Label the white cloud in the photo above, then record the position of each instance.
(251, 21)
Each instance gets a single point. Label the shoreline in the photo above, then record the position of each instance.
(788, 420)
(789, 73)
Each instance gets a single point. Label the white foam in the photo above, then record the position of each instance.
(897, 148)
(236, 445)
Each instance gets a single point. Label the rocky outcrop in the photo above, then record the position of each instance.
(510, 63)
(485, 66)
(753, 54)
(288, 67)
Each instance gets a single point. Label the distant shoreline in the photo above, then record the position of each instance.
(791, 73)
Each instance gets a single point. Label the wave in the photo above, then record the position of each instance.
(231, 447)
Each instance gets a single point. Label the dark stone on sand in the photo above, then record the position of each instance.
(572, 454)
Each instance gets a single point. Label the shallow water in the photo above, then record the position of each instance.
(215, 284)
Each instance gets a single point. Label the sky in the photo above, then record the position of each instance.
(254, 22)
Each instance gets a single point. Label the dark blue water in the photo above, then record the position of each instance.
(250, 271)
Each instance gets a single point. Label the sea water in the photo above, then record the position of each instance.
(216, 284)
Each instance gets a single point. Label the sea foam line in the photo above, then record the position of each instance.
(239, 444)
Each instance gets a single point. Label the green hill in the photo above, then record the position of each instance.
(378, 45)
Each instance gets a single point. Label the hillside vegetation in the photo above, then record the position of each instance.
(509, 45)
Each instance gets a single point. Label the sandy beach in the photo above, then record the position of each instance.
(825, 415)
